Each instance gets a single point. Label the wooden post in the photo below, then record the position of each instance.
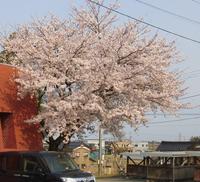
(173, 165)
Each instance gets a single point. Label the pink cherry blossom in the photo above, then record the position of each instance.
(88, 68)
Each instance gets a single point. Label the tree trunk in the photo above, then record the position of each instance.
(54, 144)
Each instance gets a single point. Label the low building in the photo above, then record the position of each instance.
(163, 166)
(87, 157)
(178, 146)
(121, 146)
(74, 144)
(84, 156)
(95, 143)
(140, 146)
(153, 145)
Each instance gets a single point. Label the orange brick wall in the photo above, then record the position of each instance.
(14, 132)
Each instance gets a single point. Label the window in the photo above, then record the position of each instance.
(77, 154)
(83, 166)
(31, 164)
(85, 154)
(60, 162)
(7, 127)
(2, 163)
(11, 162)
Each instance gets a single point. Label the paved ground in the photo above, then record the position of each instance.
(123, 180)
(118, 180)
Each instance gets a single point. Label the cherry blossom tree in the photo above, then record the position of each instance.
(89, 68)
(6, 57)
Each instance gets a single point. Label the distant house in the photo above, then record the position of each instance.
(86, 156)
(153, 145)
(178, 146)
(83, 155)
(95, 144)
(74, 144)
(140, 146)
(121, 146)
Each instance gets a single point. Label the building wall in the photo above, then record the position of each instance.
(111, 164)
(82, 157)
(122, 146)
(15, 134)
(153, 145)
(140, 146)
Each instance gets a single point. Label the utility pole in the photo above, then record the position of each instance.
(100, 151)
(173, 171)
(180, 137)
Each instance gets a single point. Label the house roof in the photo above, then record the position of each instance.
(81, 147)
(178, 146)
(75, 144)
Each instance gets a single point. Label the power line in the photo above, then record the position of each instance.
(191, 96)
(146, 23)
(171, 121)
(123, 14)
(193, 76)
(196, 1)
(193, 71)
(178, 114)
(168, 12)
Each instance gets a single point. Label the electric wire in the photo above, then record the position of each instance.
(179, 114)
(149, 124)
(193, 71)
(196, 1)
(193, 76)
(159, 28)
(171, 121)
(191, 96)
(168, 12)
(144, 22)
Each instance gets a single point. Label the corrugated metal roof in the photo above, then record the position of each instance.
(141, 155)
(178, 146)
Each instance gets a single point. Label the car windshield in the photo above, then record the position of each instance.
(60, 162)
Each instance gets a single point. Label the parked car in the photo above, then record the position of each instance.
(40, 167)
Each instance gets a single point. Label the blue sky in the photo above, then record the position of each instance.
(13, 13)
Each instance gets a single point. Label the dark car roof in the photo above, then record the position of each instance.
(29, 152)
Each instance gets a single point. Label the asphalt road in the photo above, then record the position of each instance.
(122, 180)
(118, 180)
